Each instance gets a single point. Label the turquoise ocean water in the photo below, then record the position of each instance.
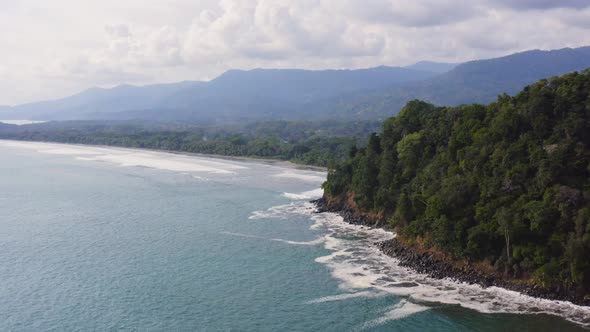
(101, 239)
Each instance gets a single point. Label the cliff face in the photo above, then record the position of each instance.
(345, 206)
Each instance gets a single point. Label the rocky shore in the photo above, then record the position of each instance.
(432, 264)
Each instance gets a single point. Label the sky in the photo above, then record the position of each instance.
(51, 49)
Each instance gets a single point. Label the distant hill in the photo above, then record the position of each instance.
(434, 67)
(98, 100)
(481, 81)
(235, 95)
(478, 81)
(290, 94)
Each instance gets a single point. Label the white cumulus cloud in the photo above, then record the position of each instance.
(51, 49)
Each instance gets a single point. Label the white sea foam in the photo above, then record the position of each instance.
(361, 267)
(69, 151)
(302, 243)
(297, 243)
(22, 145)
(157, 162)
(209, 162)
(294, 196)
(282, 211)
(242, 235)
(400, 310)
(130, 157)
(21, 122)
(312, 194)
(305, 176)
(348, 296)
(200, 178)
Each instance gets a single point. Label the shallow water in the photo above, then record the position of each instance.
(113, 239)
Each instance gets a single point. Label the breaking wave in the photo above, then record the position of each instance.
(312, 194)
(364, 271)
(348, 296)
(400, 310)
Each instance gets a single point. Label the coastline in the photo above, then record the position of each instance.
(438, 266)
(266, 161)
(421, 260)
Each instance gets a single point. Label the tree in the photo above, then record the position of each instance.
(504, 217)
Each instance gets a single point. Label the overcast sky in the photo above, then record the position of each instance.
(55, 48)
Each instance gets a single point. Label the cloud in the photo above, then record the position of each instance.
(118, 30)
(65, 46)
(417, 13)
(579, 18)
(276, 30)
(158, 47)
(542, 4)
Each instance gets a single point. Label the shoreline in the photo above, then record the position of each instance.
(434, 265)
(265, 161)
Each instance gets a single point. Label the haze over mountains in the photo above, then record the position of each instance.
(273, 94)
(434, 67)
(234, 96)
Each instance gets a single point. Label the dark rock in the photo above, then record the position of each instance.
(423, 262)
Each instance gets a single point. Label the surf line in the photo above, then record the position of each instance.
(317, 241)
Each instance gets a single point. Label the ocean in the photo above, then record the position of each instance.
(109, 239)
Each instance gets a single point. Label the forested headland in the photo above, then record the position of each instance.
(506, 185)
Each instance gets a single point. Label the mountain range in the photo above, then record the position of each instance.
(293, 94)
(236, 95)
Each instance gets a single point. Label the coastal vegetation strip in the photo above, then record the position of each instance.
(309, 143)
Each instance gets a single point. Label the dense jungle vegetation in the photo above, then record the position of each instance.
(507, 183)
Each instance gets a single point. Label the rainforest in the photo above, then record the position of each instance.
(505, 185)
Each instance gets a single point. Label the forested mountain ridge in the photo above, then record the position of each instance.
(298, 95)
(507, 184)
(479, 81)
(236, 95)
(509, 74)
